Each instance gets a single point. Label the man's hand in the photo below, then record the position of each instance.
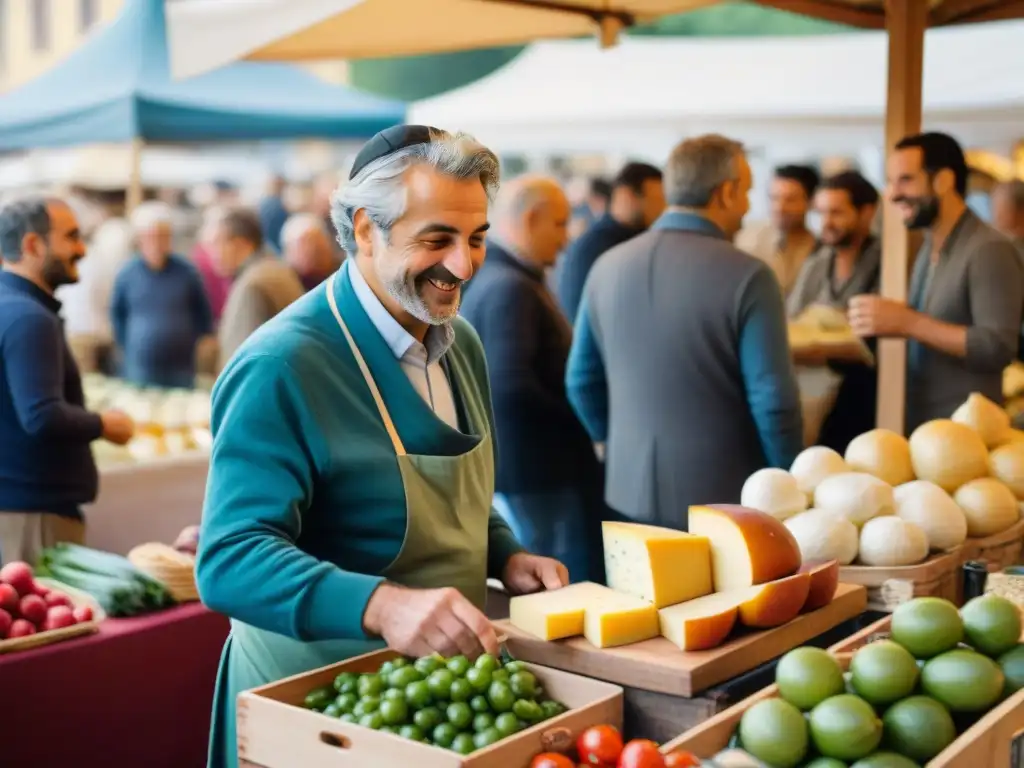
(525, 573)
(874, 316)
(419, 622)
(118, 427)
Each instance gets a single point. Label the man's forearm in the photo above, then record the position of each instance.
(945, 337)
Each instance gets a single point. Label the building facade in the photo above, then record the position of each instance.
(37, 34)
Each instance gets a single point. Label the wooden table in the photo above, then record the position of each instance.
(667, 690)
(137, 693)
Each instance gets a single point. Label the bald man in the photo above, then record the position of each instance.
(549, 482)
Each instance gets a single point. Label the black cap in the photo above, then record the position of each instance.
(390, 140)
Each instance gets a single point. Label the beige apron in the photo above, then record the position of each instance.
(448, 502)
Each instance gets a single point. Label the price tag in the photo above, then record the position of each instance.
(1017, 750)
(896, 592)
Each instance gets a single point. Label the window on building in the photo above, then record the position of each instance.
(41, 17)
(88, 14)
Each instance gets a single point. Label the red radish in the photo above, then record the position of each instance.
(19, 576)
(58, 617)
(39, 589)
(9, 599)
(33, 608)
(58, 598)
(20, 628)
(5, 623)
(83, 613)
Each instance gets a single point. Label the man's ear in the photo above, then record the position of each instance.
(363, 229)
(944, 181)
(32, 242)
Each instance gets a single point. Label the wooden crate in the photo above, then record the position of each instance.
(938, 576)
(877, 631)
(987, 744)
(998, 551)
(275, 731)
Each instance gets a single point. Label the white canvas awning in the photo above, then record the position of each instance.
(813, 93)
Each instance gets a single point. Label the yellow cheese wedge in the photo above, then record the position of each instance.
(659, 565)
(618, 619)
(704, 623)
(556, 614)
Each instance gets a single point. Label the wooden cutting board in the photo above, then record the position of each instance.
(658, 665)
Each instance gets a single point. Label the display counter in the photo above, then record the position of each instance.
(137, 693)
(146, 501)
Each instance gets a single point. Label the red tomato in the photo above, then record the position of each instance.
(552, 760)
(641, 753)
(682, 759)
(600, 745)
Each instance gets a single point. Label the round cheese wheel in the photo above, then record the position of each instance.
(857, 496)
(947, 453)
(892, 541)
(926, 505)
(1007, 465)
(989, 506)
(984, 417)
(823, 535)
(1014, 436)
(882, 453)
(813, 465)
(773, 491)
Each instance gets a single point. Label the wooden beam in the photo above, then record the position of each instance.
(906, 21)
(1004, 10)
(969, 11)
(838, 11)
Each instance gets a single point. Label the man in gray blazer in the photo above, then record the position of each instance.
(963, 318)
(680, 361)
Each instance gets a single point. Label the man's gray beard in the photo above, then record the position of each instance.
(410, 301)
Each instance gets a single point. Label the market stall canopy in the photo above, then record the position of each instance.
(117, 87)
(760, 90)
(206, 34)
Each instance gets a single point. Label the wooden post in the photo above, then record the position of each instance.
(134, 191)
(906, 21)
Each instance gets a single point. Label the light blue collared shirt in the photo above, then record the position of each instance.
(421, 362)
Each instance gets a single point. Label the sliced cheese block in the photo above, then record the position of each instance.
(700, 624)
(555, 614)
(617, 619)
(659, 565)
(824, 583)
(775, 603)
(747, 547)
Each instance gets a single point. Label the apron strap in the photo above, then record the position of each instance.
(389, 425)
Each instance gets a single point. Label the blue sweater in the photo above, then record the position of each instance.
(46, 464)
(158, 316)
(305, 505)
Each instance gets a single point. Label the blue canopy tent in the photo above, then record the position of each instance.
(117, 88)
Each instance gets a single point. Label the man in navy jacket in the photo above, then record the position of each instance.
(46, 466)
(548, 482)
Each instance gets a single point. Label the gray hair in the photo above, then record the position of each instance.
(1014, 191)
(151, 214)
(17, 219)
(378, 188)
(699, 166)
(298, 224)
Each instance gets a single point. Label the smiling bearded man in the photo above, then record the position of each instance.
(349, 498)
